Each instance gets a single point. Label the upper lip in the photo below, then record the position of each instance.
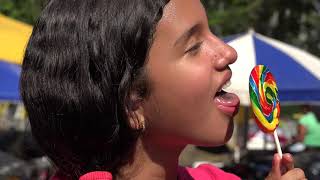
(226, 77)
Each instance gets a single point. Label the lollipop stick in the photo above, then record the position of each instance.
(277, 143)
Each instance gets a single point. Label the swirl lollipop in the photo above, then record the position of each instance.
(264, 101)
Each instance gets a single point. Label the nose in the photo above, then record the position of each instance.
(222, 54)
(228, 55)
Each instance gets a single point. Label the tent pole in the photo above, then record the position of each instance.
(246, 126)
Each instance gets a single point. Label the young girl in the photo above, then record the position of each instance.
(117, 89)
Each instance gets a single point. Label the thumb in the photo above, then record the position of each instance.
(275, 172)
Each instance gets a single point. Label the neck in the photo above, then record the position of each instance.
(152, 161)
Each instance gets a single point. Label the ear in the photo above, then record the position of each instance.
(135, 112)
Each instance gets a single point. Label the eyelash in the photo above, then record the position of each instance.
(194, 49)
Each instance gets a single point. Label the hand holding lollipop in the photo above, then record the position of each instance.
(264, 101)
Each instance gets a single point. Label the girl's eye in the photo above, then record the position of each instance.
(194, 49)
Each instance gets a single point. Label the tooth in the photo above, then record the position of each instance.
(226, 85)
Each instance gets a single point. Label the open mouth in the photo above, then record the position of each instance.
(221, 90)
(227, 102)
(220, 93)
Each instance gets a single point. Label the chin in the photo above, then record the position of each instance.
(211, 139)
(229, 132)
(222, 140)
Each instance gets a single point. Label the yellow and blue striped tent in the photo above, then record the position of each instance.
(14, 36)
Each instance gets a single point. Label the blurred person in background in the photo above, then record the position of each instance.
(308, 129)
(306, 146)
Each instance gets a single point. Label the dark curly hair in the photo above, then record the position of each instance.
(82, 61)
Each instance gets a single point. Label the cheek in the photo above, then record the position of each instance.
(182, 91)
(188, 81)
(196, 75)
(192, 81)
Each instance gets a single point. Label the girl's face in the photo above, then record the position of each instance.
(187, 68)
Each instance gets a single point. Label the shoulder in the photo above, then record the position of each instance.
(306, 119)
(205, 171)
(95, 175)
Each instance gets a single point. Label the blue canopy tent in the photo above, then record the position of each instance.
(14, 36)
(297, 72)
(9, 81)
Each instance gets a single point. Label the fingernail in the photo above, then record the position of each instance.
(288, 155)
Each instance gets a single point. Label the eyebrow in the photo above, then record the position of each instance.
(188, 34)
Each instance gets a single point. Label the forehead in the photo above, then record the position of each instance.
(179, 15)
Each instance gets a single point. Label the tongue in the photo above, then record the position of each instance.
(227, 99)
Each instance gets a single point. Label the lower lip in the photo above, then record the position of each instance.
(229, 107)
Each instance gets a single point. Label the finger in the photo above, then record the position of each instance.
(287, 162)
(295, 173)
(276, 166)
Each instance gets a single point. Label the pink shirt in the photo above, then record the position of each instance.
(203, 172)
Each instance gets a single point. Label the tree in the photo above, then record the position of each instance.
(24, 10)
(293, 21)
(296, 22)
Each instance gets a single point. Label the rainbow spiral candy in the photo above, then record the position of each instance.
(264, 98)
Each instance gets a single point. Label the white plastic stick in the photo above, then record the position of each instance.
(277, 143)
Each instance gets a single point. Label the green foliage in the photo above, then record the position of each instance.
(24, 10)
(293, 21)
(296, 22)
